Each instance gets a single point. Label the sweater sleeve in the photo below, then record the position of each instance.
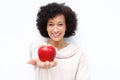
(83, 71)
(33, 48)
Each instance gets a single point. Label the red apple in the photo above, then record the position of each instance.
(46, 53)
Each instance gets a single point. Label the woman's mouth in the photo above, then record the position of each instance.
(56, 35)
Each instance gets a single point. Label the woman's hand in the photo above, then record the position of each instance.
(41, 64)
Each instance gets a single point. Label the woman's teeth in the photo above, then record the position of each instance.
(56, 35)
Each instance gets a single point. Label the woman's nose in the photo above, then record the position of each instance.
(55, 29)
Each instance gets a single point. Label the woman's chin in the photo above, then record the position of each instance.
(56, 39)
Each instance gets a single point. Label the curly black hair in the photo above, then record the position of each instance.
(50, 11)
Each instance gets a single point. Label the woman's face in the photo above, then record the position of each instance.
(56, 28)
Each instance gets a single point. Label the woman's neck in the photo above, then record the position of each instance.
(58, 44)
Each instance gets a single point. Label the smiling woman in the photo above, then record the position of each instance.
(56, 27)
(56, 22)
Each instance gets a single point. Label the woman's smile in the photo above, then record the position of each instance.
(56, 35)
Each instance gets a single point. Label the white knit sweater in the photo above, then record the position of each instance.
(72, 64)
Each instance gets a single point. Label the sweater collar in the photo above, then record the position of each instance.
(69, 51)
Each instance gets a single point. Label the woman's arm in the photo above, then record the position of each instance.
(83, 71)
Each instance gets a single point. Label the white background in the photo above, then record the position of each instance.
(98, 33)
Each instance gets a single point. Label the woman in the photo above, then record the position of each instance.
(56, 22)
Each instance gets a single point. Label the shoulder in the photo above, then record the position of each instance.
(80, 52)
(75, 49)
(75, 46)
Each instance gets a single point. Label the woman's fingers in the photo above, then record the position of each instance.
(46, 64)
(40, 64)
(32, 61)
(53, 64)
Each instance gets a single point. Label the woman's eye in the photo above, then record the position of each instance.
(60, 24)
(50, 24)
